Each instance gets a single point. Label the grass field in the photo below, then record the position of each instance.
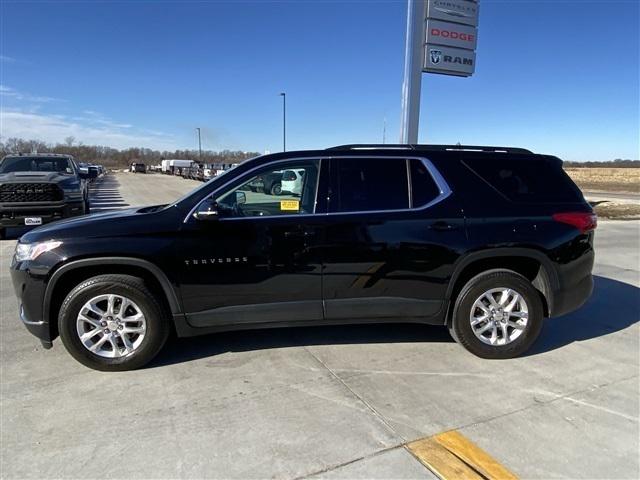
(606, 179)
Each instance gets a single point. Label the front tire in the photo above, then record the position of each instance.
(113, 323)
(276, 189)
(498, 314)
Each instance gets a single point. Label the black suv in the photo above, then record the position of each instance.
(41, 188)
(486, 241)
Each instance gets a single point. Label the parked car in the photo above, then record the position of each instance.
(269, 183)
(138, 167)
(292, 181)
(485, 241)
(41, 188)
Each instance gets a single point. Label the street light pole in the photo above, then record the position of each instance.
(199, 145)
(284, 121)
(413, 60)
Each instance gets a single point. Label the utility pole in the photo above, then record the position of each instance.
(199, 146)
(284, 121)
(384, 130)
(413, 61)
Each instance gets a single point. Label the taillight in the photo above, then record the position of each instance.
(583, 221)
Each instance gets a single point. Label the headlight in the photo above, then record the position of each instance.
(31, 251)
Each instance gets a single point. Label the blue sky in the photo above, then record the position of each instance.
(556, 76)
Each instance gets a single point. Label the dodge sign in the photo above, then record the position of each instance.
(451, 34)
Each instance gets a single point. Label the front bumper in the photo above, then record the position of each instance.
(30, 289)
(14, 214)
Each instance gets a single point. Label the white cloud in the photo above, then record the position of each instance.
(53, 128)
(9, 92)
(7, 59)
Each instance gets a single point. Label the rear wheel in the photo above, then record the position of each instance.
(113, 323)
(2, 233)
(498, 314)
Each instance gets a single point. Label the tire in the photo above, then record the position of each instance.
(276, 189)
(3, 233)
(135, 290)
(525, 334)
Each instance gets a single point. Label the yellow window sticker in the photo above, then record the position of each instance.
(290, 205)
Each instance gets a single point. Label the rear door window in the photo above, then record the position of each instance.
(368, 184)
(526, 179)
(423, 187)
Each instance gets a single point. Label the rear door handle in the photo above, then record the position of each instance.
(442, 226)
(299, 233)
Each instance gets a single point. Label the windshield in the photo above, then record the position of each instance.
(36, 164)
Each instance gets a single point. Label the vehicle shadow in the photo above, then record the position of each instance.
(104, 195)
(613, 306)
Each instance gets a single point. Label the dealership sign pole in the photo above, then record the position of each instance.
(441, 38)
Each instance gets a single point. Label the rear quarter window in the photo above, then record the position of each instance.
(526, 179)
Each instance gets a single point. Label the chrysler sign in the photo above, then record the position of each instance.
(459, 11)
(449, 61)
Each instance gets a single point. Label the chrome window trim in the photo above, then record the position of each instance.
(443, 186)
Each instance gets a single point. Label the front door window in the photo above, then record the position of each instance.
(282, 189)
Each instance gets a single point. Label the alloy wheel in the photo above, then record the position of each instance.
(499, 316)
(111, 326)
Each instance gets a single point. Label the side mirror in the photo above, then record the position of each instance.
(206, 215)
(211, 213)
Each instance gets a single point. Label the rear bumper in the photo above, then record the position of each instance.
(575, 285)
(13, 215)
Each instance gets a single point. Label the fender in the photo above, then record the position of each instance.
(549, 277)
(154, 270)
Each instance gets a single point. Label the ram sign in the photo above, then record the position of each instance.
(449, 61)
(451, 37)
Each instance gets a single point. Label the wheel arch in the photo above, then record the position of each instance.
(532, 264)
(70, 274)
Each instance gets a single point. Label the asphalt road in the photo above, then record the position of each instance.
(334, 402)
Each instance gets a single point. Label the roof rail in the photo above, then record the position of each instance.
(432, 148)
(373, 146)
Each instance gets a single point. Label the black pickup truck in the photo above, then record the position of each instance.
(41, 188)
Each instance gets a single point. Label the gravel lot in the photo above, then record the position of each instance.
(333, 401)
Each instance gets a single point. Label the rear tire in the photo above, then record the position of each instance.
(510, 327)
(139, 348)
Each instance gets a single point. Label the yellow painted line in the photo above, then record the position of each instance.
(473, 455)
(441, 461)
(451, 455)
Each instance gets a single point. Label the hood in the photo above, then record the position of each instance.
(35, 177)
(115, 224)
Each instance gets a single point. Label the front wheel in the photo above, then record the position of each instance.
(276, 189)
(113, 323)
(498, 314)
